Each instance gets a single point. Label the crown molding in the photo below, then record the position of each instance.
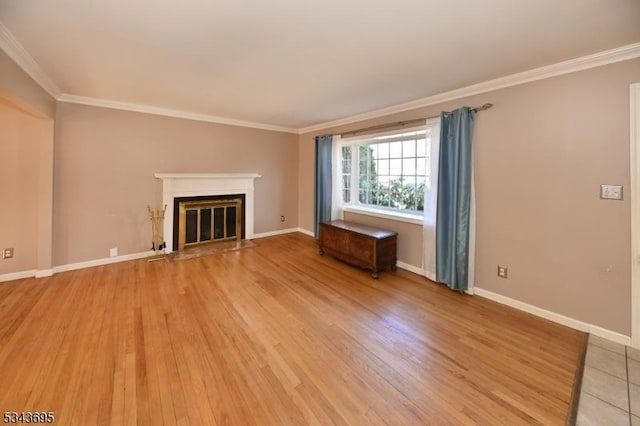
(606, 57)
(20, 56)
(148, 109)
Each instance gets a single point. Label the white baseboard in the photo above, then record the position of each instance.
(123, 258)
(306, 232)
(274, 233)
(543, 313)
(17, 275)
(41, 273)
(552, 316)
(410, 268)
(100, 262)
(283, 231)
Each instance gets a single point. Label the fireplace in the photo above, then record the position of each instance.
(195, 187)
(207, 219)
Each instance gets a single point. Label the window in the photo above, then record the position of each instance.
(388, 172)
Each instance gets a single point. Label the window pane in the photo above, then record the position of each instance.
(383, 150)
(363, 163)
(409, 182)
(383, 199)
(374, 197)
(409, 148)
(346, 195)
(421, 166)
(374, 150)
(383, 193)
(395, 167)
(408, 166)
(383, 167)
(346, 181)
(395, 150)
(365, 153)
(346, 152)
(395, 191)
(421, 148)
(420, 196)
(366, 181)
(346, 159)
(409, 193)
(370, 166)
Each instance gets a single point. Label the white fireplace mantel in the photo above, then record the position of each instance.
(175, 185)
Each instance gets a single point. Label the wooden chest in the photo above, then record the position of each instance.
(361, 245)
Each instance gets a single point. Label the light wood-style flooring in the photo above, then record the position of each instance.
(274, 335)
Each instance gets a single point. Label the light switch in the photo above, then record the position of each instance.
(611, 192)
(503, 271)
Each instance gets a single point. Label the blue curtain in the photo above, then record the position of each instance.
(322, 212)
(454, 198)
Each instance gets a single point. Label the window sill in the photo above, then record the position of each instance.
(397, 216)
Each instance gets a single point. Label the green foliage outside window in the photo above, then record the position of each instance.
(399, 193)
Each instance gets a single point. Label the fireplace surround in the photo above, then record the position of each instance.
(186, 185)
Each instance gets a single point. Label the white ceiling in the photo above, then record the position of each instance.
(296, 63)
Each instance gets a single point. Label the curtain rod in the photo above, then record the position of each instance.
(406, 123)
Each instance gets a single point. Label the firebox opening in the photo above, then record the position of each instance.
(208, 219)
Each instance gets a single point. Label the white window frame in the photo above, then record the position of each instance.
(380, 211)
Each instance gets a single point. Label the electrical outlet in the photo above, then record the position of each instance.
(281, 218)
(503, 271)
(113, 252)
(7, 253)
(611, 192)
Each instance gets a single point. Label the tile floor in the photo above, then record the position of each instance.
(610, 393)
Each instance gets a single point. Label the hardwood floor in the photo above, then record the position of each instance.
(274, 335)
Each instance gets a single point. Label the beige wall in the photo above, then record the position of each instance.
(45, 197)
(19, 176)
(27, 147)
(17, 87)
(541, 154)
(105, 162)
